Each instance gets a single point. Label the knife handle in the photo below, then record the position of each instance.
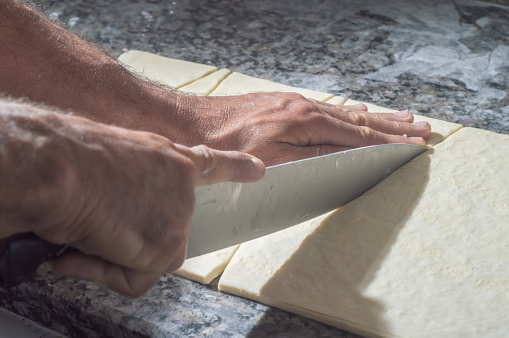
(22, 254)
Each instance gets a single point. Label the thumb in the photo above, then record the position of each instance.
(214, 166)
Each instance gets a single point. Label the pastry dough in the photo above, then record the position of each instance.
(238, 84)
(205, 268)
(422, 254)
(439, 129)
(169, 72)
(337, 100)
(207, 84)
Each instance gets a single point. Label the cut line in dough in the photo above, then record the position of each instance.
(206, 85)
(336, 100)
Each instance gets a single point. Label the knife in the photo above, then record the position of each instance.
(230, 213)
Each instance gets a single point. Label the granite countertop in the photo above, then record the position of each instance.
(443, 59)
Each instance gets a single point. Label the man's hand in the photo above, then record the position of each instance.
(282, 127)
(48, 64)
(123, 198)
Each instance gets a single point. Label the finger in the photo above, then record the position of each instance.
(123, 280)
(357, 106)
(391, 123)
(339, 133)
(217, 166)
(360, 108)
(383, 125)
(402, 116)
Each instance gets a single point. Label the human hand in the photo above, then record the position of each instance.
(277, 127)
(282, 127)
(123, 198)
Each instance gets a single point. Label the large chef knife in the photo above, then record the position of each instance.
(229, 213)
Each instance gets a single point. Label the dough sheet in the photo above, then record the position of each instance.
(238, 84)
(422, 254)
(169, 72)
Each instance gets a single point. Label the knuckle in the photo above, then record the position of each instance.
(185, 170)
(59, 183)
(400, 126)
(295, 96)
(305, 109)
(366, 132)
(361, 106)
(360, 119)
(207, 155)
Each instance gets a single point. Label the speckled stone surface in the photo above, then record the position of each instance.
(444, 59)
(175, 307)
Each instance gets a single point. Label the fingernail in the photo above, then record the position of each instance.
(420, 124)
(259, 169)
(403, 113)
(255, 160)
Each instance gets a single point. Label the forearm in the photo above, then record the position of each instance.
(48, 64)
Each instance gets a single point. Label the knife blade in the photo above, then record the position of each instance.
(230, 213)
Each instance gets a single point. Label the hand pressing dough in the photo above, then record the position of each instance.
(207, 84)
(169, 72)
(439, 129)
(238, 84)
(422, 254)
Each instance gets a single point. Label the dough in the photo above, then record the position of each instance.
(238, 84)
(205, 268)
(169, 72)
(207, 84)
(422, 254)
(337, 100)
(439, 129)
